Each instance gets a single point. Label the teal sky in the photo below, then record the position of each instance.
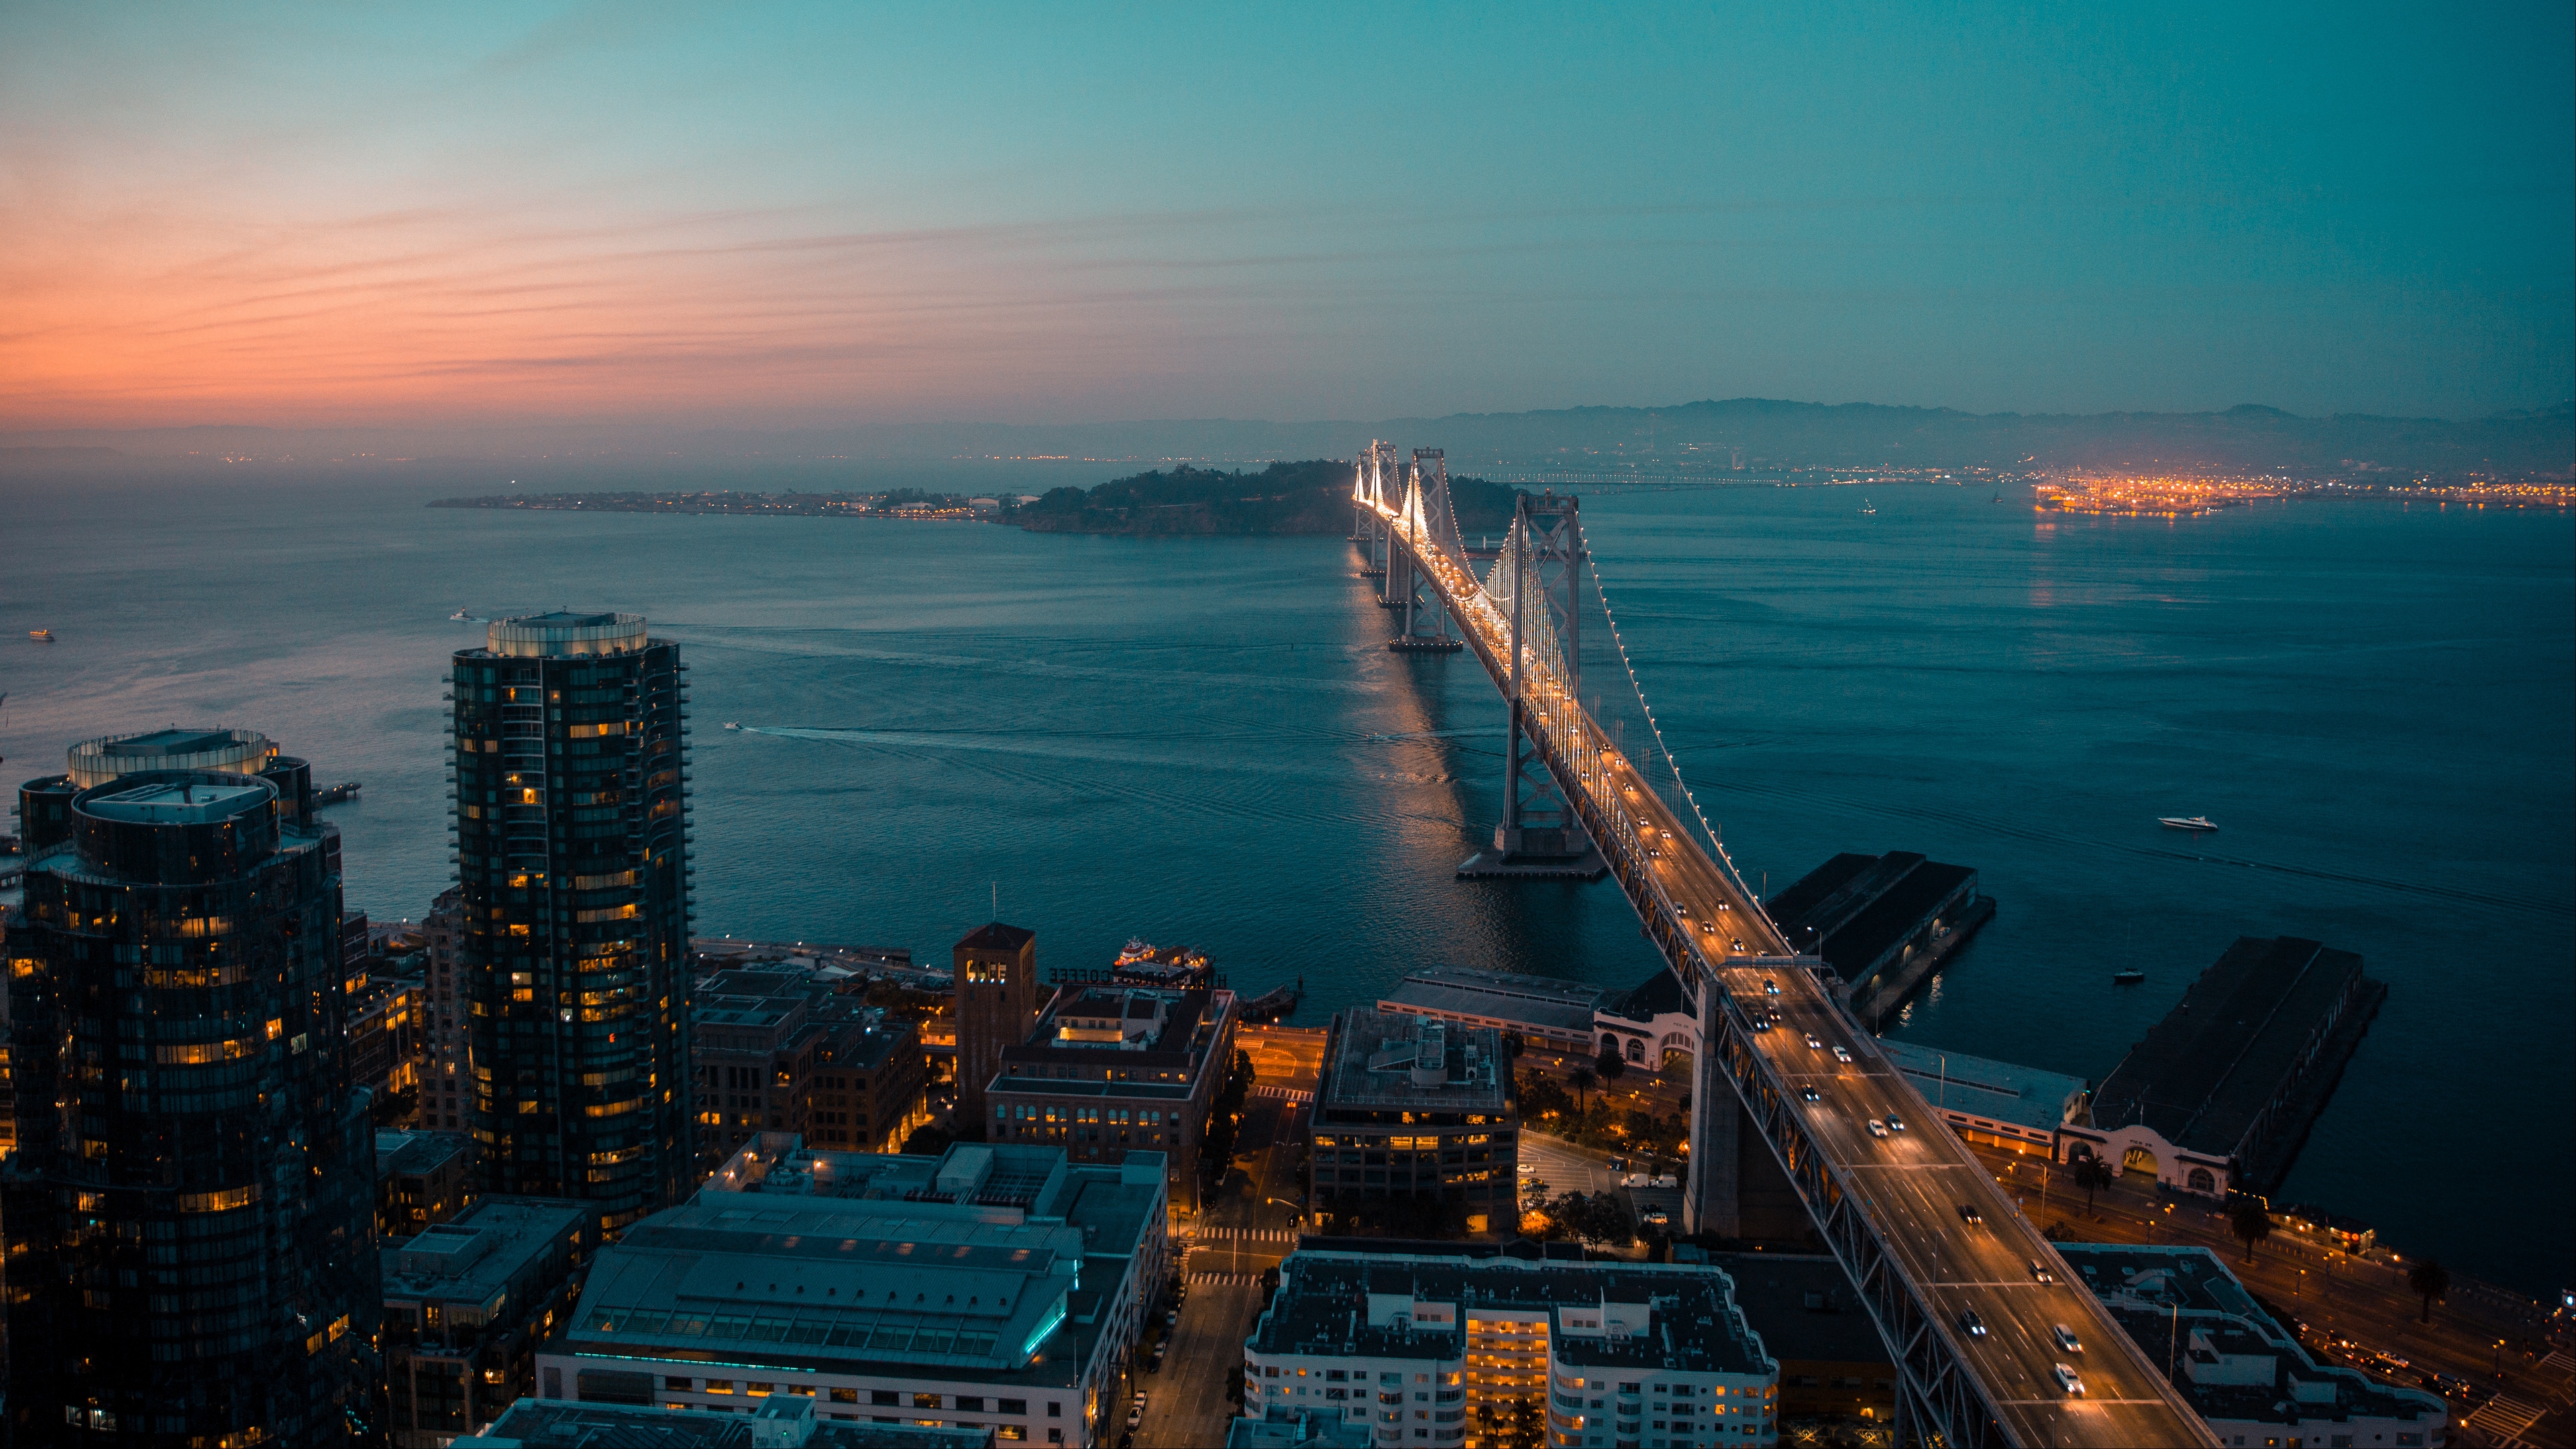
(296, 216)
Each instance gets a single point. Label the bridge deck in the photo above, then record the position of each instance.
(1911, 1185)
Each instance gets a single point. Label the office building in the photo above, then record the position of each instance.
(447, 1053)
(1412, 1106)
(782, 1421)
(1111, 1070)
(422, 1178)
(994, 1287)
(1475, 1351)
(2243, 1372)
(571, 812)
(775, 1048)
(466, 1303)
(998, 997)
(189, 1206)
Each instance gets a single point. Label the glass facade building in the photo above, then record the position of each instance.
(189, 1209)
(571, 815)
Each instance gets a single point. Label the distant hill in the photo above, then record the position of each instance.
(1769, 432)
(1305, 497)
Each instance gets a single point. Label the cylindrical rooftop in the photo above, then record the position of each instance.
(562, 632)
(235, 752)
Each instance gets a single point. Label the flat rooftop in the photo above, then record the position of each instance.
(171, 742)
(180, 803)
(480, 1253)
(1346, 1303)
(1854, 908)
(1563, 1007)
(1396, 1061)
(564, 1424)
(1984, 1087)
(2206, 1073)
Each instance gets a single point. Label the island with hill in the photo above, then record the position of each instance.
(1285, 498)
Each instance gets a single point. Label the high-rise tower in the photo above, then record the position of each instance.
(997, 1002)
(190, 1207)
(571, 813)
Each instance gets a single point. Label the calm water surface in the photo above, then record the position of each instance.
(1203, 741)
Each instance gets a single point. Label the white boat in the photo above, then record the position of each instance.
(2185, 822)
(1868, 507)
(733, 724)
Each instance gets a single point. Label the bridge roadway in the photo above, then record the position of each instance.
(1911, 1185)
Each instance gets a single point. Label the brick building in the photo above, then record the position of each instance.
(1114, 1069)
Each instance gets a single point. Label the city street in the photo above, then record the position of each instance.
(2480, 1334)
(1243, 1229)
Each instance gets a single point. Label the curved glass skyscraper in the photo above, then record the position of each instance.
(571, 815)
(190, 1207)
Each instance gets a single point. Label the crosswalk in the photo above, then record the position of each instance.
(1221, 1278)
(2504, 1417)
(1285, 1094)
(1211, 1236)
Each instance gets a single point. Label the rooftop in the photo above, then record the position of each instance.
(1396, 1060)
(180, 802)
(1373, 1305)
(783, 1421)
(411, 1154)
(475, 1257)
(1658, 995)
(1982, 1087)
(2204, 1075)
(1854, 907)
(971, 1262)
(997, 937)
(561, 632)
(1541, 1001)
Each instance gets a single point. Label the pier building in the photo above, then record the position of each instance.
(1882, 922)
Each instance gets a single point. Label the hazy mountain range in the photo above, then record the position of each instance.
(1693, 436)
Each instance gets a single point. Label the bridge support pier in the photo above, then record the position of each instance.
(1736, 1188)
(1540, 836)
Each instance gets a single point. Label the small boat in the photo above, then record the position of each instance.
(1868, 507)
(459, 617)
(2130, 977)
(733, 724)
(335, 794)
(2185, 822)
(41, 636)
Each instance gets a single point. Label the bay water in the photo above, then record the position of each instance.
(1204, 741)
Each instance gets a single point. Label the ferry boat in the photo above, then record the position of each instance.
(733, 724)
(2185, 822)
(334, 794)
(2130, 977)
(41, 636)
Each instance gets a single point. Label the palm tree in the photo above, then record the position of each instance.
(2249, 1221)
(1582, 1084)
(2430, 1280)
(2088, 1176)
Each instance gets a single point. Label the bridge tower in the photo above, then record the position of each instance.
(1538, 583)
(1429, 528)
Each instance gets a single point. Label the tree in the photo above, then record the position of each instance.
(1610, 1064)
(1582, 1083)
(2430, 1280)
(2251, 1224)
(1540, 1095)
(2088, 1176)
(1604, 1219)
(1513, 1045)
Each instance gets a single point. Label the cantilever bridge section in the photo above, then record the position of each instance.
(1965, 1292)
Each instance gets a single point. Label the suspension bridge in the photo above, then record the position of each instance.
(1967, 1295)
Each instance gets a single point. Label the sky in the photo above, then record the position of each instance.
(806, 216)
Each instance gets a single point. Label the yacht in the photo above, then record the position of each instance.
(2130, 977)
(2185, 822)
(733, 724)
(41, 636)
(1868, 507)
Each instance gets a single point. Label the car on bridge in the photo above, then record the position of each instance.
(2065, 1339)
(2066, 1379)
(1877, 1128)
(1842, 1054)
(1895, 1123)
(1968, 1213)
(1974, 1326)
(2039, 1272)
(1810, 1094)
(1815, 1042)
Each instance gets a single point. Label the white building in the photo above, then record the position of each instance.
(996, 1287)
(1448, 1351)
